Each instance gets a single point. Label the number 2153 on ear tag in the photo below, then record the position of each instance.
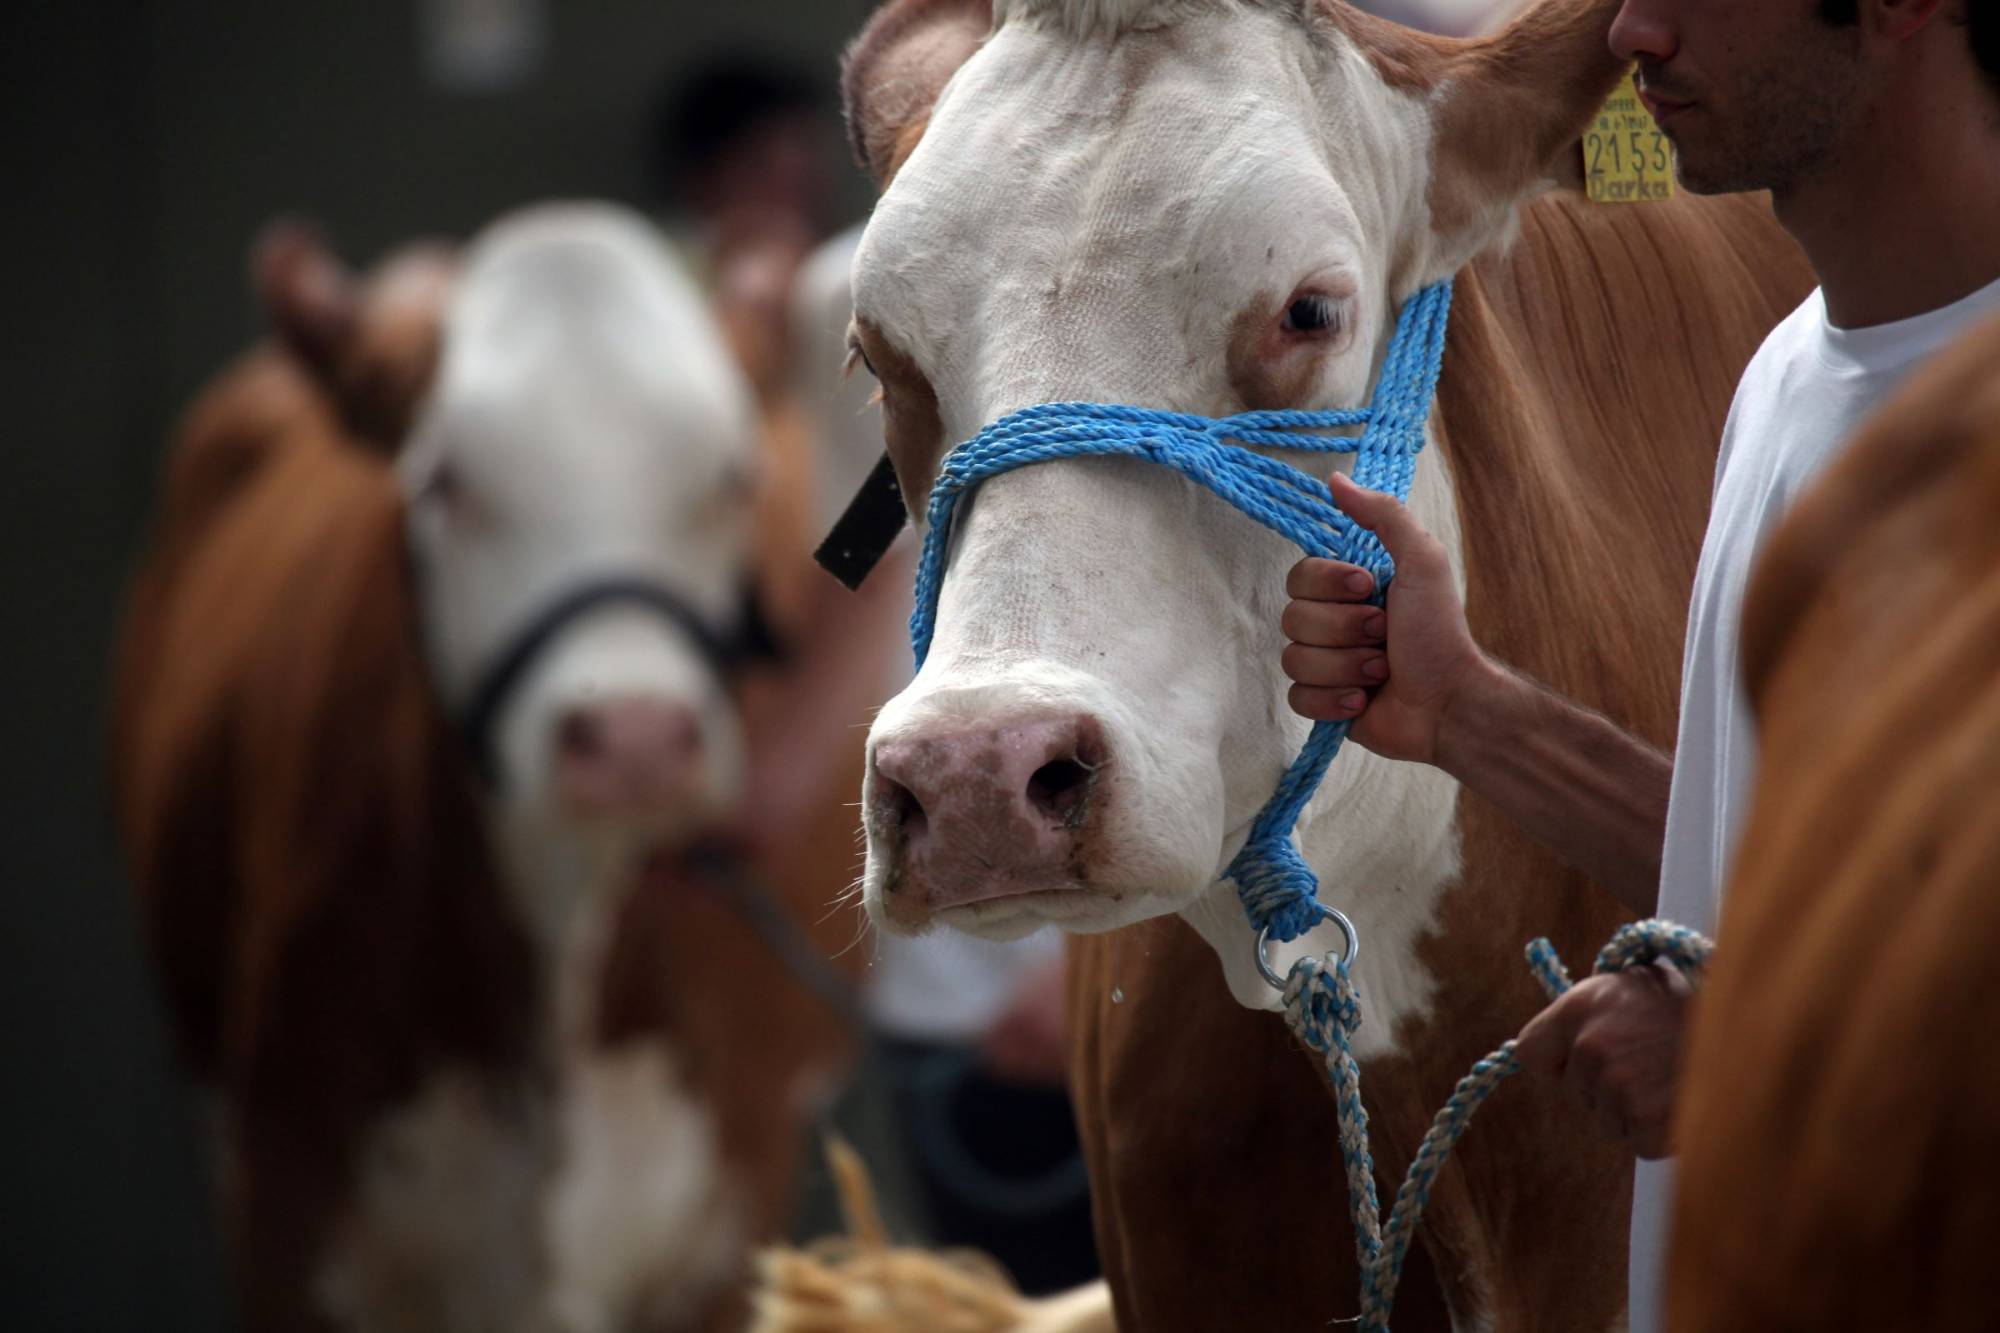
(1626, 159)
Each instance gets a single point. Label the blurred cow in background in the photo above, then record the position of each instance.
(424, 703)
(1839, 1092)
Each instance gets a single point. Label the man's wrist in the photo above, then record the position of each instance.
(1473, 711)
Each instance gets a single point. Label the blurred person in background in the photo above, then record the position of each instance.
(743, 153)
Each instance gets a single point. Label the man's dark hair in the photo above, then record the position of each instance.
(1981, 24)
(703, 115)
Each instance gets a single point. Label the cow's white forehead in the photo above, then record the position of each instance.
(570, 313)
(1091, 16)
(1087, 211)
(591, 420)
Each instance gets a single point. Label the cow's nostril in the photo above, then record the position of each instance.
(1058, 789)
(901, 809)
(579, 734)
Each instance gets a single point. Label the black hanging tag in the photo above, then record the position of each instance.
(864, 533)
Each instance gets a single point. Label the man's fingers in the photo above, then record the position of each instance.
(1328, 580)
(1334, 624)
(1326, 705)
(1640, 1114)
(1603, 1040)
(1583, 1075)
(1363, 667)
(1544, 1045)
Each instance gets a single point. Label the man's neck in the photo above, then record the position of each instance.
(1909, 219)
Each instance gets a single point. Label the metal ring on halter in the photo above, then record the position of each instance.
(1333, 914)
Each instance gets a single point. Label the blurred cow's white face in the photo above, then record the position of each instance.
(586, 423)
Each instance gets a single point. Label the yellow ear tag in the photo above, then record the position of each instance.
(1626, 159)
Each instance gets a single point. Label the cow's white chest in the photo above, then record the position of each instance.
(587, 1197)
(597, 1206)
(439, 1231)
(1383, 838)
(640, 1222)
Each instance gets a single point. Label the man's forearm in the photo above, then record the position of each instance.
(1572, 778)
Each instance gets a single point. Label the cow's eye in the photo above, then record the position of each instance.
(858, 355)
(1314, 312)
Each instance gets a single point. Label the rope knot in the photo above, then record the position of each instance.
(1278, 890)
(1322, 1006)
(1636, 944)
(1639, 943)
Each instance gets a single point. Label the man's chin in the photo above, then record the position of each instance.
(1705, 174)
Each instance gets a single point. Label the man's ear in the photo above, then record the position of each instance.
(1506, 109)
(309, 297)
(893, 72)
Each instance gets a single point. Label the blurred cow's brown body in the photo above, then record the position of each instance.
(1837, 1123)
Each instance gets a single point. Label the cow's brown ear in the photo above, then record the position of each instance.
(1508, 107)
(371, 346)
(893, 72)
(1508, 120)
(310, 298)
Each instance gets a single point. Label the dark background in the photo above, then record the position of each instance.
(143, 146)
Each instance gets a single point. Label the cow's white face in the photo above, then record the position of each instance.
(586, 422)
(1209, 217)
(1212, 212)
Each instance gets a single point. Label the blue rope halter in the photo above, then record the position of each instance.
(1278, 889)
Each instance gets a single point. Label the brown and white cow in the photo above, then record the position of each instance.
(1840, 1094)
(1214, 206)
(489, 1055)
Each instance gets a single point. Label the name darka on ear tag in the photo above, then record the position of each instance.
(1626, 158)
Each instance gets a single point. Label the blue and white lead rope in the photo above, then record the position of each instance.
(1324, 1009)
(1278, 889)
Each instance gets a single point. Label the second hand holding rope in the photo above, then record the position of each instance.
(1323, 1008)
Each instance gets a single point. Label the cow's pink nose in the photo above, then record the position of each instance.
(626, 757)
(979, 810)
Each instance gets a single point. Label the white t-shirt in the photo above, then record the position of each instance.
(1802, 396)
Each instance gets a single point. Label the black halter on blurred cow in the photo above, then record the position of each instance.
(428, 689)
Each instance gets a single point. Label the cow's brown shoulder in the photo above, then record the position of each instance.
(1842, 1053)
(1588, 372)
(278, 534)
